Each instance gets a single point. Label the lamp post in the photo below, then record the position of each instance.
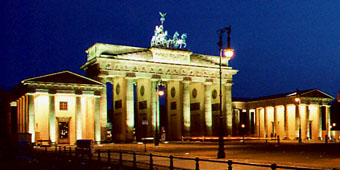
(243, 131)
(228, 52)
(298, 101)
(158, 93)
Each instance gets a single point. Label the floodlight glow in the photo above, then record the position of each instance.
(228, 52)
(160, 92)
(297, 99)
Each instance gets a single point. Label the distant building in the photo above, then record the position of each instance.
(286, 115)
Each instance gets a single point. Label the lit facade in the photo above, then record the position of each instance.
(61, 108)
(287, 115)
(191, 84)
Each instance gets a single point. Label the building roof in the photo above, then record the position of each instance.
(64, 77)
(303, 93)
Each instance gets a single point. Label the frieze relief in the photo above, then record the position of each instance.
(171, 70)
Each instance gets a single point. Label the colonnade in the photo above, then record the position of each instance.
(289, 121)
(37, 113)
(188, 111)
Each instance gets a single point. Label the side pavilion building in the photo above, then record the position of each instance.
(291, 115)
(61, 108)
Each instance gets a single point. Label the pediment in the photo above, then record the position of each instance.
(316, 94)
(64, 77)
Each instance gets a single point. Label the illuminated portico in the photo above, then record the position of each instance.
(288, 115)
(60, 107)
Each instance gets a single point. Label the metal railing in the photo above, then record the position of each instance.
(99, 156)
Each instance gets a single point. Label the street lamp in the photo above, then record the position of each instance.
(158, 93)
(243, 131)
(228, 52)
(298, 101)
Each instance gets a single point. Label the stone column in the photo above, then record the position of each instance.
(18, 116)
(307, 123)
(23, 114)
(130, 109)
(297, 120)
(208, 109)
(154, 98)
(248, 132)
(229, 108)
(103, 111)
(320, 122)
(328, 120)
(31, 116)
(265, 123)
(275, 121)
(186, 108)
(26, 114)
(285, 111)
(52, 119)
(78, 118)
(97, 113)
(257, 122)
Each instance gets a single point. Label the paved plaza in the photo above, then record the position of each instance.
(311, 155)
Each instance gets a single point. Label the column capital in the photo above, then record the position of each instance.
(228, 84)
(187, 79)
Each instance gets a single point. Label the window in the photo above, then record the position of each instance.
(63, 106)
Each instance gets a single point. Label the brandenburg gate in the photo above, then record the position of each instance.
(191, 83)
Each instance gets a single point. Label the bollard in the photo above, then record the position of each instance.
(108, 156)
(98, 154)
(278, 139)
(120, 158)
(197, 163)
(70, 151)
(326, 138)
(171, 162)
(273, 166)
(151, 162)
(56, 148)
(134, 159)
(59, 149)
(45, 149)
(65, 150)
(230, 162)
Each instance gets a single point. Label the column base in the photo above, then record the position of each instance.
(285, 138)
(53, 143)
(98, 142)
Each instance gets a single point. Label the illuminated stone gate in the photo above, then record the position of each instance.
(191, 82)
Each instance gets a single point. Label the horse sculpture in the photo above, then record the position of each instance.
(181, 41)
(160, 37)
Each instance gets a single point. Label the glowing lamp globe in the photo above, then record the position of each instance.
(228, 52)
(243, 126)
(161, 93)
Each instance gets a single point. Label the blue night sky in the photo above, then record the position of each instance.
(279, 45)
